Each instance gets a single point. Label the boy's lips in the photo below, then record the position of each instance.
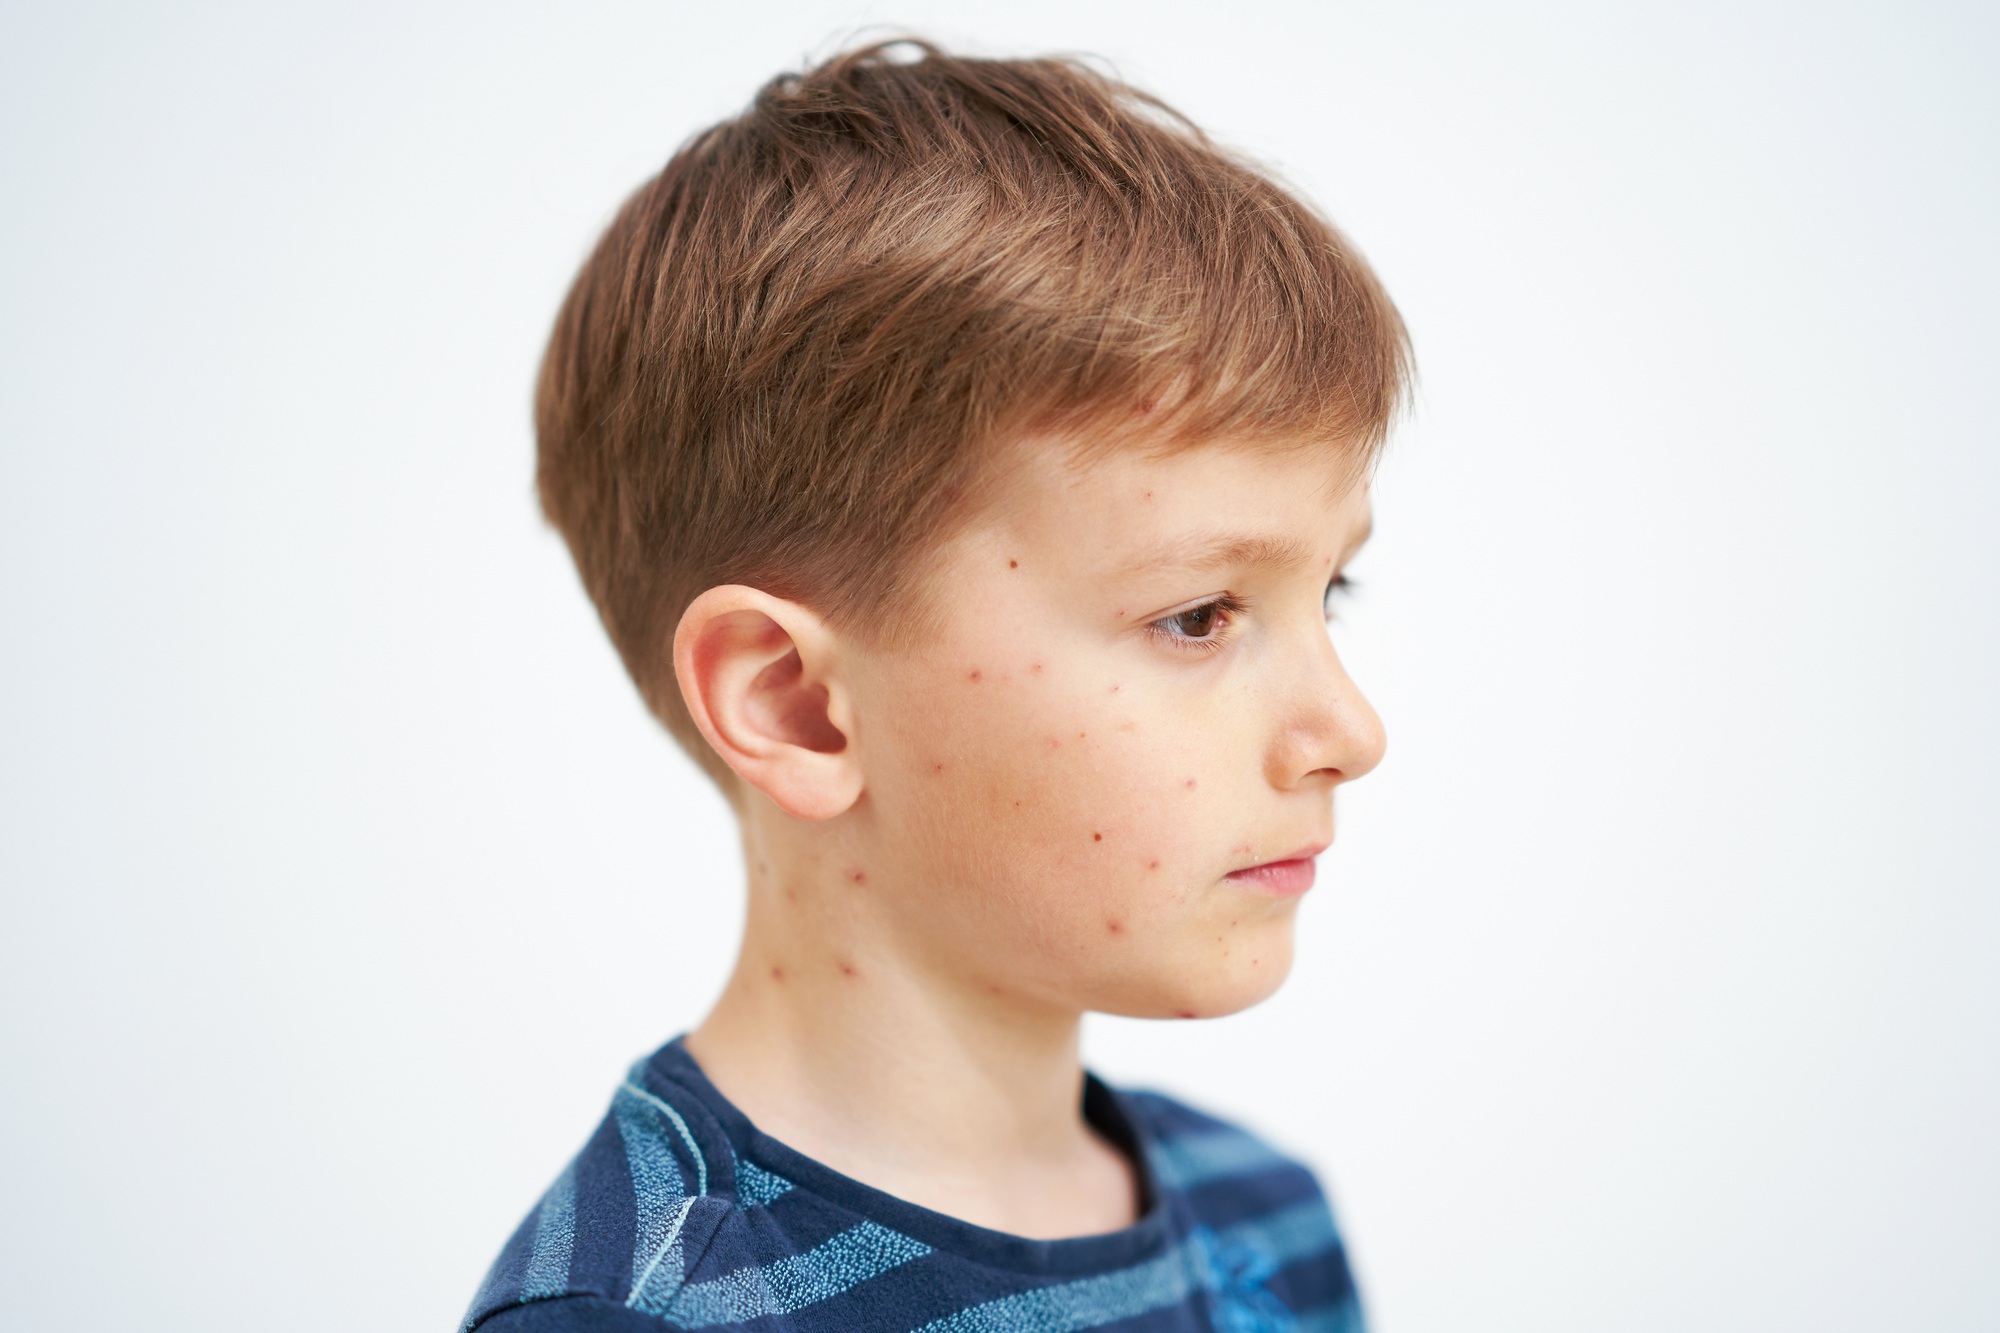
(1285, 878)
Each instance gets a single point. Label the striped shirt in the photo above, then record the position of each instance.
(679, 1214)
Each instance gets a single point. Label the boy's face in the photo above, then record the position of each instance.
(1131, 699)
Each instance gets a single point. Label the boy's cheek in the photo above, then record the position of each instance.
(1090, 836)
(1068, 767)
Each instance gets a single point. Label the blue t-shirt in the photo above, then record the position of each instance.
(679, 1214)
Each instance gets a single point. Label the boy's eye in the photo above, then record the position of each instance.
(1205, 626)
(1197, 622)
(1340, 587)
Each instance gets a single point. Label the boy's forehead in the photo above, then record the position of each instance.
(1208, 505)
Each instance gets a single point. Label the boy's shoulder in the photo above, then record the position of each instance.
(677, 1213)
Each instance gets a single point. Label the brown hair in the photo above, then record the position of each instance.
(797, 351)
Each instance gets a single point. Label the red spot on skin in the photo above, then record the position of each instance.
(937, 768)
(1121, 615)
(860, 877)
(1190, 784)
(975, 674)
(1232, 923)
(847, 969)
(1013, 564)
(1079, 735)
(1149, 495)
(763, 868)
(1115, 927)
(1035, 667)
(1017, 805)
(1185, 1013)
(1152, 865)
(1055, 742)
(791, 895)
(1097, 837)
(777, 974)
(1114, 689)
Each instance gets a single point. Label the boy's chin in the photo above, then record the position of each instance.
(1220, 987)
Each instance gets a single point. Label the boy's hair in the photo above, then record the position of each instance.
(799, 351)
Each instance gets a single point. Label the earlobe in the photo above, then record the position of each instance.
(755, 672)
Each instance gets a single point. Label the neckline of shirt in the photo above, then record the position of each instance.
(1107, 1110)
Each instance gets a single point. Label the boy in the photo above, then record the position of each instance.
(961, 454)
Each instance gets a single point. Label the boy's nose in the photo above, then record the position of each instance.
(1329, 732)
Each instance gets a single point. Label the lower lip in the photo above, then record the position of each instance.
(1280, 879)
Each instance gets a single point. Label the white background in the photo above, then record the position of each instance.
(1653, 983)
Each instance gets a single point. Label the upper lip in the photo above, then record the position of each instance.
(1311, 849)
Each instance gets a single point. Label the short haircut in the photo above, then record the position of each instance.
(798, 352)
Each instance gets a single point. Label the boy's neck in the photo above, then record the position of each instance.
(845, 1047)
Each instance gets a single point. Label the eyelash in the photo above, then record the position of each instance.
(1232, 607)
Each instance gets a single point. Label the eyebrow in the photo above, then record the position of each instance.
(1227, 551)
(1235, 551)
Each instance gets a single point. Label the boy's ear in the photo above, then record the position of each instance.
(754, 670)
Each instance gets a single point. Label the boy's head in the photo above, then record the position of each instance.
(906, 430)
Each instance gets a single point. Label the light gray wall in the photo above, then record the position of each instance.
(1652, 985)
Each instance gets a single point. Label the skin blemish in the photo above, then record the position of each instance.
(1114, 689)
(1017, 805)
(1079, 735)
(937, 768)
(791, 895)
(859, 877)
(1121, 615)
(1013, 564)
(1149, 495)
(1190, 783)
(777, 974)
(1097, 837)
(1115, 927)
(1152, 865)
(1185, 1013)
(974, 677)
(1055, 742)
(847, 969)
(1035, 667)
